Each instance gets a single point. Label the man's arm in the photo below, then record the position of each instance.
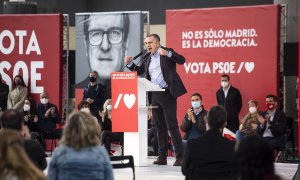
(278, 127)
(186, 124)
(133, 67)
(177, 58)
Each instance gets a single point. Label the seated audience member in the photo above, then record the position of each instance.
(254, 160)
(193, 123)
(4, 90)
(31, 120)
(14, 162)
(17, 94)
(84, 106)
(80, 155)
(11, 119)
(272, 125)
(152, 133)
(210, 156)
(250, 121)
(49, 117)
(107, 135)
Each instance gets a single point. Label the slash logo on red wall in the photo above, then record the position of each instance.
(236, 41)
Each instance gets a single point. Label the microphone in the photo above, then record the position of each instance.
(138, 55)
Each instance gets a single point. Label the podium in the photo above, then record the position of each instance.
(129, 113)
(136, 143)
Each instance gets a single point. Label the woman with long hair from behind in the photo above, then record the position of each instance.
(14, 162)
(80, 155)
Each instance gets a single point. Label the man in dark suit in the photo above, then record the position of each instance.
(230, 98)
(272, 125)
(210, 156)
(159, 67)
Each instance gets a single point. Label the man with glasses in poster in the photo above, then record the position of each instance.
(106, 41)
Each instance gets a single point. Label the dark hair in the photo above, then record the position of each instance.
(254, 158)
(155, 36)
(272, 96)
(82, 103)
(226, 76)
(33, 110)
(11, 119)
(125, 23)
(95, 72)
(216, 117)
(197, 94)
(22, 82)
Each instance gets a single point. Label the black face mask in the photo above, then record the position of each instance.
(92, 79)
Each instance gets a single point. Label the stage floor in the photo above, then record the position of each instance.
(170, 172)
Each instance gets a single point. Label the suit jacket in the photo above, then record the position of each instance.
(168, 69)
(4, 90)
(209, 156)
(233, 105)
(187, 125)
(277, 126)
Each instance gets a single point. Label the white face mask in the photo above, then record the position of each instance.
(252, 110)
(26, 107)
(85, 109)
(44, 100)
(224, 84)
(109, 107)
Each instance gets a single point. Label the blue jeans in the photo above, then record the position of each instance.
(239, 135)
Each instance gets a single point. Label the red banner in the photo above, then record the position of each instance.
(31, 45)
(124, 102)
(240, 41)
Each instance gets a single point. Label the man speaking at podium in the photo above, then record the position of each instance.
(159, 66)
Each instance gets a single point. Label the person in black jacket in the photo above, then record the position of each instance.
(272, 124)
(4, 90)
(12, 119)
(230, 98)
(94, 93)
(107, 135)
(193, 123)
(210, 156)
(159, 67)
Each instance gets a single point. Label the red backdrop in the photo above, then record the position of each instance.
(240, 41)
(31, 45)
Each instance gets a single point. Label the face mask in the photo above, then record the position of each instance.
(270, 106)
(44, 100)
(92, 79)
(109, 107)
(252, 110)
(87, 110)
(196, 104)
(26, 107)
(224, 84)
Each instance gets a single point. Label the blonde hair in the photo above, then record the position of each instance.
(106, 103)
(81, 131)
(14, 161)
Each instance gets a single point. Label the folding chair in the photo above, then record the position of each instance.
(283, 152)
(121, 163)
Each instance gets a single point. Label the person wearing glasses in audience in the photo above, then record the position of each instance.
(106, 40)
(230, 98)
